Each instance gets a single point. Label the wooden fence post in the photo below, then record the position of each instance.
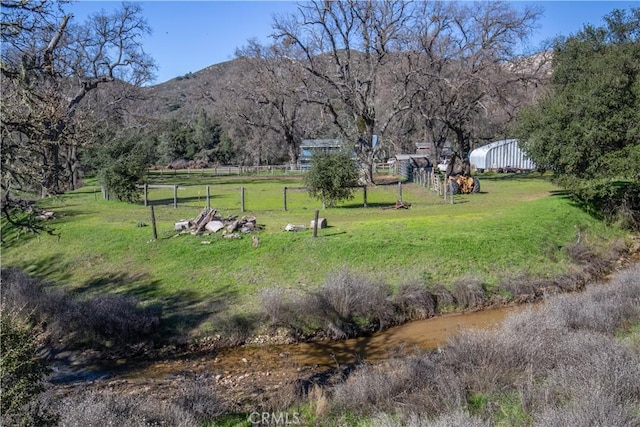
(364, 194)
(208, 197)
(445, 189)
(146, 194)
(400, 191)
(315, 223)
(242, 199)
(175, 195)
(153, 224)
(284, 193)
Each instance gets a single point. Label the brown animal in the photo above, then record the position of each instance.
(256, 241)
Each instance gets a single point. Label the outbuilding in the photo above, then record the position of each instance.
(406, 165)
(501, 156)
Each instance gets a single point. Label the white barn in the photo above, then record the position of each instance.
(500, 156)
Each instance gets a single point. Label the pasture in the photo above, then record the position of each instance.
(517, 226)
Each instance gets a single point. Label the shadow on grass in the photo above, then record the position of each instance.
(369, 205)
(182, 310)
(566, 194)
(51, 269)
(511, 176)
(332, 234)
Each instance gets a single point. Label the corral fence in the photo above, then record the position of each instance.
(434, 181)
(230, 170)
(250, 170)
(242, 194)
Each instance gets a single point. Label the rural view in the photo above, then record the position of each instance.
(391, 213)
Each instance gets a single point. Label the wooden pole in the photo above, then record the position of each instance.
(146, 194)
(153, 224)
(364, 194)
(284, 193)
(242, 199)
(315, 223)
(400, 191)
(175, 196)
(445, 189)
(208, 197)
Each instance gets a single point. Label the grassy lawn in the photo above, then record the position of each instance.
(517, 224)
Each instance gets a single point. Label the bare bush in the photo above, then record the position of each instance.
(560, 361)
(591, 408)
(199, 400)
(414, 301)
(236, 328)
(283, 308)
(458, 419)
(347, 302)
(468, 292)
(444, 298)
(521, 288)
(380, 387)
(103, 320)
(594, 263)
(111, 410)
(413, 383)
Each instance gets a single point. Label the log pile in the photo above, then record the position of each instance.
(209, 222)
(399, 205)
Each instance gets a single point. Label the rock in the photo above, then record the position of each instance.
(322, 223)
(248, 227)
(183, 224)
(45, 215)
(232, 227)
(291, 227)
(214, 226)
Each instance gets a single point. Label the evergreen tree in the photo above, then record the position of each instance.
(588, 130)
(332, 177)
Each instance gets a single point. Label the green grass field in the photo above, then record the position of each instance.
(518, 224)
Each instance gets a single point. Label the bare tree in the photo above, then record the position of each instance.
(49, 67)
(344, 47)
(467, 74)
(271, 97)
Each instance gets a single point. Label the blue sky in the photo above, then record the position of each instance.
(191, 35)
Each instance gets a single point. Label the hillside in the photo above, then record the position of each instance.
(182, 97)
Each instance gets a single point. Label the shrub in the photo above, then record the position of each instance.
(21, 371)
(592, 408)
(236, 328)
(108, 409)
(458, 419)
(559, 363)
(347, 302)
(282, 308)
(444, 298)
(416, 382)
(199, 400)
(414, 301)
(103, 320)
(468, 292)
(332, 177)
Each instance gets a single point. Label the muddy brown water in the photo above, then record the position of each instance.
(318, 356)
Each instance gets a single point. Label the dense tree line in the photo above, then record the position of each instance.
(587, 131)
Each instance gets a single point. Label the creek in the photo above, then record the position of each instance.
(249, 361)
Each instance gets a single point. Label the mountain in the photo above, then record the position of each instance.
(182, 97)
